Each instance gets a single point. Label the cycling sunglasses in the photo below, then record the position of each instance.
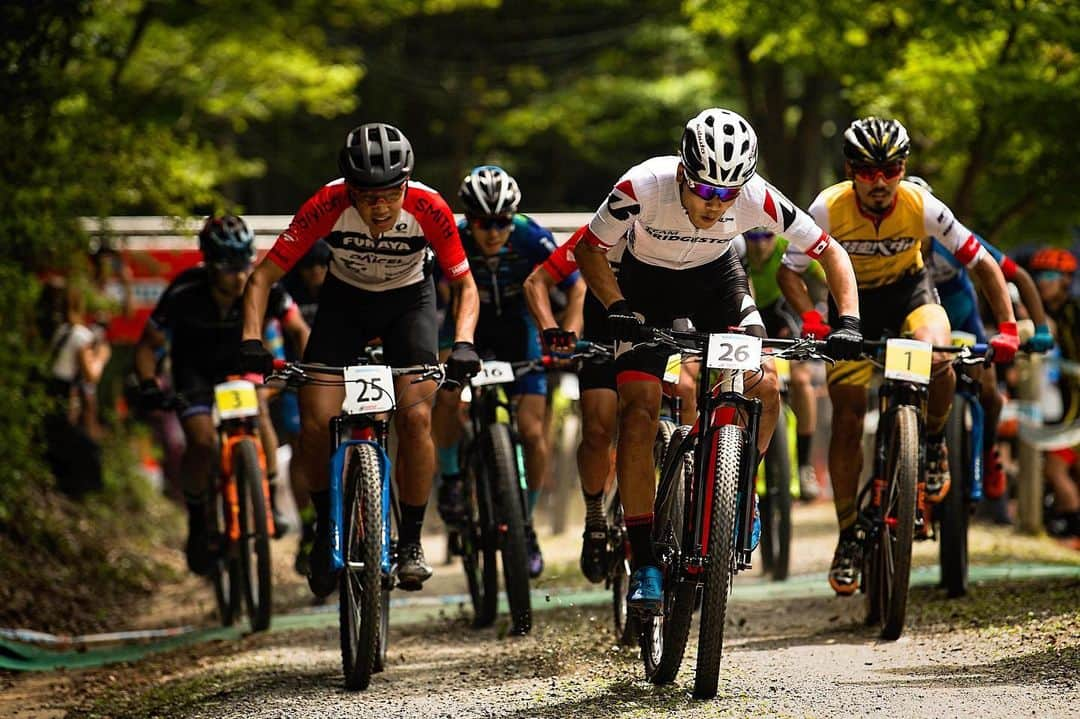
(758, 235)
(708, 192)
(493, 222)
(372, 199)
(869, 173)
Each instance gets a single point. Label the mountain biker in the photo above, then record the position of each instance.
(679, 214)
(882, 222)
(762, 251)
(379, 223)
(199, 317)
(957, 295)
(503, 246)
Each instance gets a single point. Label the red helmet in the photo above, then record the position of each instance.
(1054, 259)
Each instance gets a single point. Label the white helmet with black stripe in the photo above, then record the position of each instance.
(489, 190)
(719, 148)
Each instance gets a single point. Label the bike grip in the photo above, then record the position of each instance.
(981, 348)
(279, 364)
(583, 346)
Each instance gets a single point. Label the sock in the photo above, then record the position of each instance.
(594, 510)
(448, 460)
(802, 448)
(412, 521)
(639, 530)
(534, 497)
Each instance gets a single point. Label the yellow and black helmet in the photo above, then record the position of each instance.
(876, 141)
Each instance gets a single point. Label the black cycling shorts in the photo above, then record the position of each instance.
(884, 309)
(715, 297)
(349, 318)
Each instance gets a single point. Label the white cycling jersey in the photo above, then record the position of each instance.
(645, 208)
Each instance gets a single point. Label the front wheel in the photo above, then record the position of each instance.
(720, 558)
(501, 464)
(889, 561)
(479, 539)
(254, 537)
(953, 510)
(361, 590)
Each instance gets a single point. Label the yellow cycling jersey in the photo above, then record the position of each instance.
(884, 249)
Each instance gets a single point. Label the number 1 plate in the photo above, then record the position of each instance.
(732, 351)
(236, 399)
(368, 389)
(908, 360)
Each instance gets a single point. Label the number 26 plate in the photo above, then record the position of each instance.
(368, 389)
(908, 360)
(732, 351)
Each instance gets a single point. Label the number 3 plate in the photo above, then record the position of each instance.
(368, 389)
(908, 360)
(732, 351)
(236, 399)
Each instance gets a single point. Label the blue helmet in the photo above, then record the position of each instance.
(226, 240)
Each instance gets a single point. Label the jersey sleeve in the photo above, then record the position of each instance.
(310, 224)
(622, 207)
(1006, 263)
(561, 264)
(794, 257)
(939, 222)
(780, 215)
(161, 317)
(441, 231)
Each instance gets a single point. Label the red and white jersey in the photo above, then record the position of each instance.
(645, 208)
(562, 263)
(391, 260)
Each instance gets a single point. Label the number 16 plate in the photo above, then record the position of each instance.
(733, 351)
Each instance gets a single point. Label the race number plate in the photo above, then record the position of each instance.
(493, 373)
(368, 389)
(908, 360)
(673, 370)
(236, 399)
(963, 339)
(783, 368)
(731, 351)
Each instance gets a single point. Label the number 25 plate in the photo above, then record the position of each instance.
(908, 360)
(236, 399)
(732, 351)
(493, 373)
(368, 388)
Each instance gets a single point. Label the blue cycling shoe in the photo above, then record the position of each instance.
(646, 594)
(755, 529)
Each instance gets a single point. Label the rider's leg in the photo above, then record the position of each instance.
(198, 463)
(269, 439)
(318, 404)
(766, 387)
(687, 391)
(639, 414)
(994, 483)
(1066, 492)
(929, 323)
(847, 392)
(531, 413)
(804, 405)
(446, 426)
(599, 408)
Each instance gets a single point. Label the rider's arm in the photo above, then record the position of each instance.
(1029, 294)
(294, 326)
(152, 340)
(841, 279)
(794, 288)
(536, 287)
(592, 259)
(988, 274)
(574, 318)
(467, 301)
(256, 294)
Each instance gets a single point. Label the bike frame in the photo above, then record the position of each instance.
(967, 391)
(484, 411)
(231, 432)
(347, 431)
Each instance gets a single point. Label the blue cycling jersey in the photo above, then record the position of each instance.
(956, 293)
(500, 277)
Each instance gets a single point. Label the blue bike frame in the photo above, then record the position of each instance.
(337, 471)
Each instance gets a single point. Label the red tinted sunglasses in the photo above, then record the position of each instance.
(869, 173)
(493, 222)
(708, 192)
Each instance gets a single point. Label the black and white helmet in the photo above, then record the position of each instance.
(489, 190)
(719, 148)
(876, 141)
(376, 155)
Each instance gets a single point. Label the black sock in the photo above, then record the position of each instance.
(802, 448)
(594, 510)
(321, 502)
(412, 521)
(639, 530)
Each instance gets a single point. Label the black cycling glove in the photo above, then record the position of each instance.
(623, 324)
(845, 342)
(254, 358)
(150, 395)
(462, 363)
(557, 340)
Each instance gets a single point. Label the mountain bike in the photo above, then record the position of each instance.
(964, 436)
(892, 504)
(704, 508)
(364, 510)
(774, 488)
(241, 520)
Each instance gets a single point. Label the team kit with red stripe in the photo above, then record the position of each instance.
(671, 268)
(376, 286)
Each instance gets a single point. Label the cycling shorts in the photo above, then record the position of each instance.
(349, 318)
(513, 339)
(893, 310)
(196, 387)
(962, 306)
(715, 297)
